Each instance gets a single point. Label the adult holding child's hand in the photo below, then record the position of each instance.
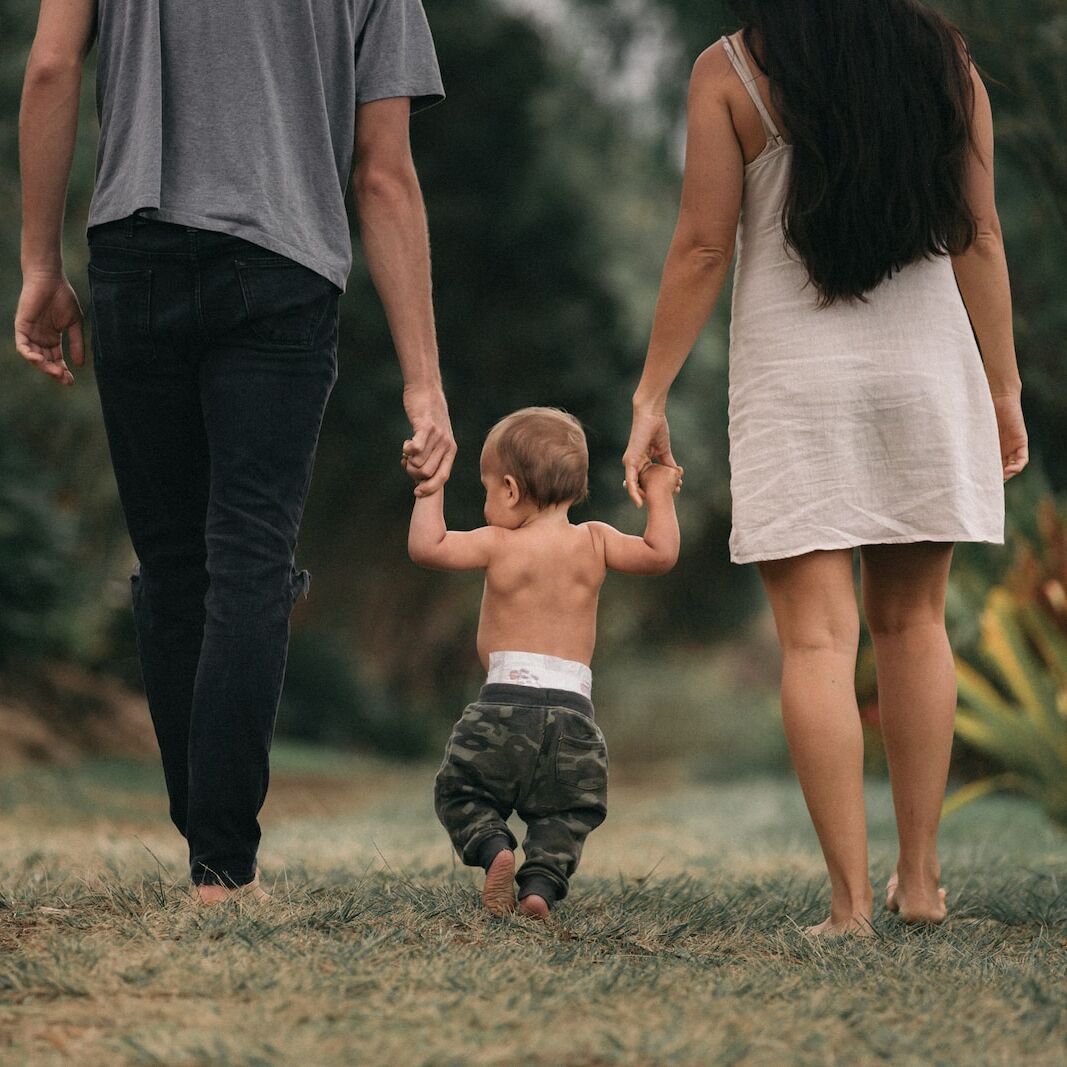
(874, 393)
(650, 442)
(429, 453)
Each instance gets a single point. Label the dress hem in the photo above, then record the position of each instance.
(908, 539)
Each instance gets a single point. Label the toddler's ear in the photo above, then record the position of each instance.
(513, 491)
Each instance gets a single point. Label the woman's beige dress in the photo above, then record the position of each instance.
(864, 423)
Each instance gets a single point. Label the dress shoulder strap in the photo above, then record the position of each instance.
(748, 79)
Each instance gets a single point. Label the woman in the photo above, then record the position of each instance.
(848, 149)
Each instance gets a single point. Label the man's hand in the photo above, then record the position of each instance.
(430, 450)
(660, 478)
(48, 308)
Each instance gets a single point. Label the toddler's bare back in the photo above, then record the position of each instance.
(541, 591)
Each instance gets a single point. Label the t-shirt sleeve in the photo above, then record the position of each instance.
(395, 55)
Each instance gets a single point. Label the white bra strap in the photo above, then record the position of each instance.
(744, 72)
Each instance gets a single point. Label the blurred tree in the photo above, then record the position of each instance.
(551, 176)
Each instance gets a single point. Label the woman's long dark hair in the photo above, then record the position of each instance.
(877, 100)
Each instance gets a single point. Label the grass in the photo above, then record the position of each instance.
(679, 943)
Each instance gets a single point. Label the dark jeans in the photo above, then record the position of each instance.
(214, 360)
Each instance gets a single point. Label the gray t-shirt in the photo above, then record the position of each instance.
(239, 115)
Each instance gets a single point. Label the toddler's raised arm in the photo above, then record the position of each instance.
(657, 551)
(432, 545)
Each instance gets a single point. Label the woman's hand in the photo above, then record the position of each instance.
(650, 440)
(1014, 446)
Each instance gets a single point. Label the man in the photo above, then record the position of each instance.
(219, 248)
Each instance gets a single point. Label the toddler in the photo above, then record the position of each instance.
(529, 742)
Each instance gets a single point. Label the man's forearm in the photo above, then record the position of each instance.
(396, 243)
(48, 124)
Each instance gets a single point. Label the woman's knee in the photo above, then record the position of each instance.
(836, 634)
(813, 599)
(895, 619)
(904, 588)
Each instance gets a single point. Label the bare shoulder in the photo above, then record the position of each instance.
(598, 533)
(712, 70)
(977, 82)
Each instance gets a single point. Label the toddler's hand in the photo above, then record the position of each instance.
(658, 477)
(417, 476)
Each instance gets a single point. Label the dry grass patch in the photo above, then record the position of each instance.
(679, 944)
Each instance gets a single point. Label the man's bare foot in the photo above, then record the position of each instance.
(498, 893)
(251, 893)
(915, 908)
(534, 907)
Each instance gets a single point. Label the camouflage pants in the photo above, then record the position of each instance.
(534, 752)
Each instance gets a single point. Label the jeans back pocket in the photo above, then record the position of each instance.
(285, 301)
(121, 314)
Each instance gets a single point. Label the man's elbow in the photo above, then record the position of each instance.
(51, 68)
(393, 186)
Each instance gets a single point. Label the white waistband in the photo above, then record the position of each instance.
(539, 672)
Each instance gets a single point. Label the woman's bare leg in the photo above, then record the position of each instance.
(814, 604)
(904, 600)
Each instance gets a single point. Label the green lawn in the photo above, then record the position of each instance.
(678, 945)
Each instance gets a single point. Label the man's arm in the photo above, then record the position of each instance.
(392, 221)
(657, 551)
(432, 545)
(48, 122)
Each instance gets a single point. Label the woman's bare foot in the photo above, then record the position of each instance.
(252, 892)
(915, 907)
(534, 907)
(850, 926)
(498, 893)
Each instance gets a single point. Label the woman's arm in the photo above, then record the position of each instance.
(698, 260)
(982, 276)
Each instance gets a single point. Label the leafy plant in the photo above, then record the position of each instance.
(36, 543)
(1017, 712)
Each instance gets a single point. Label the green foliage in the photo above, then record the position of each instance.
(37, 579)
(328, 702)
(1017, 711)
